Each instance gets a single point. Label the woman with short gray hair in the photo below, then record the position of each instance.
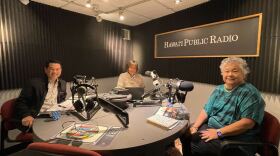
(234, 111)
(242, 63)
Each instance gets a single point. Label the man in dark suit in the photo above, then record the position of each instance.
(39, 95)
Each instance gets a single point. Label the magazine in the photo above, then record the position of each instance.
(178, 111)
(170, 112)
(165, 117)
(83, 132)
(168, 117)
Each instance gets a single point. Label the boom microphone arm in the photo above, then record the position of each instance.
(121, 114)
(151, 92)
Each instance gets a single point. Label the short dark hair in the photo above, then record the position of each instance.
(52, 61)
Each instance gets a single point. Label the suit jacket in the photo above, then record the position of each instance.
(33, 95)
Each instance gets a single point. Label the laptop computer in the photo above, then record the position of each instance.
(136, 92)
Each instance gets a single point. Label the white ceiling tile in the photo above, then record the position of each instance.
(181, 6)
(167, 3)
(150, 9)
(81, 2)
(105, 7)
(188, 4)
(55, 3)
(130, 18)
(121, 3)
(79, 9)
(136, 11)
(111, 17)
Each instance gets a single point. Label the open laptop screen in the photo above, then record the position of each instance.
(136, 92)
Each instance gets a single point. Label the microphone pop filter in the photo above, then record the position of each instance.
(186, 86)
(81, 90)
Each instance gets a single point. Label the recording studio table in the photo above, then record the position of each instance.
(141, 138)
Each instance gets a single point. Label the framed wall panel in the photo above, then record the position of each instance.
(234, 37)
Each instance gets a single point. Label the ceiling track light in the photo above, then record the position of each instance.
(88, 4)
(121, 14)
(178, 1)
(99, 18)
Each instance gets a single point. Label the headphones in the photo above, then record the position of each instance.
(87, 104)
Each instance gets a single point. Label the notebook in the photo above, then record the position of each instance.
(136, 92)
(163, 121)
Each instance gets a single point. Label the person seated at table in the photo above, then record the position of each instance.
(234, 111)
(131, 78)
(39, 95)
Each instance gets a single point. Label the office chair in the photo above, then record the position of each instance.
(23, 138)
(60, 149)
(270, 136)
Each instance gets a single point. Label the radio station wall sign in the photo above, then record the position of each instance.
(234, 37)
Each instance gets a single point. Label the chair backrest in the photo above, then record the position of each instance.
(22, 139)
(270, 133)
(7, 111)
(61, 149)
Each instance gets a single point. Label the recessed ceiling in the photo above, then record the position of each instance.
(135, 11)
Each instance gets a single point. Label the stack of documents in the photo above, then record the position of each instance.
(163, 121)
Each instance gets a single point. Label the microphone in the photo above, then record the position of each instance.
(181, 85)
(153, 74)
(151, 92)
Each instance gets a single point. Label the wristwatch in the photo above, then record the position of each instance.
(219, 133)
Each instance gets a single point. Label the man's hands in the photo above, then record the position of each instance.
(55, 115)
(27, 121)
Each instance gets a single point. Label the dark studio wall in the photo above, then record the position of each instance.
(265, 69)
(31, 34)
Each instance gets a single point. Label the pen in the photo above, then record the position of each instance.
(62, 106)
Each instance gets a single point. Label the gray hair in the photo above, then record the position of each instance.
(132, 62)
(242, 63)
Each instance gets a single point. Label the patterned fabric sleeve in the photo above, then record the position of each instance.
(253, 107)
(209, 105)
